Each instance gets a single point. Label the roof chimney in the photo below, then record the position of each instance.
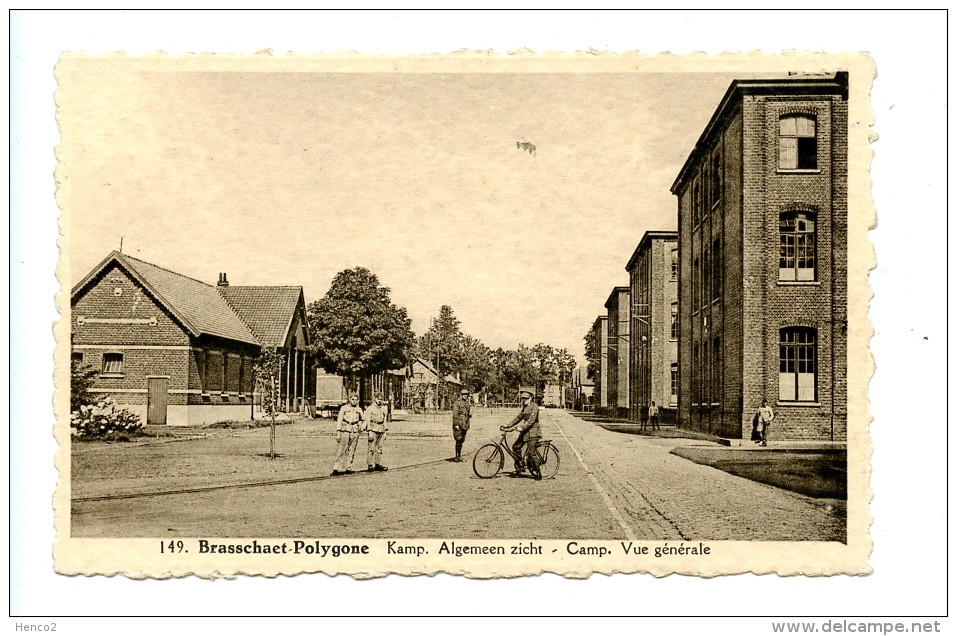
(222, 280)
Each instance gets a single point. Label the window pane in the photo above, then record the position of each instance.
(806, 153)
(788, 127)
(805, 382)
(786, 386)
(788, 152)
(804, 126)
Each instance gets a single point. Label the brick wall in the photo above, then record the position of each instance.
(754, 304)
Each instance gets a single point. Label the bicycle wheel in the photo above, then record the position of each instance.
(488, 461)
(550, 460)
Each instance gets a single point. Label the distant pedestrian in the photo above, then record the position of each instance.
(763, 419)
(347, 436)
(375, 417)
(461, 417)
(653, 416)
(643, 416)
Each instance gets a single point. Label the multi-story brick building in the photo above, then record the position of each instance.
(178, 351)
(618, 345)
(599, 333)
(653, 271)
(762, 218)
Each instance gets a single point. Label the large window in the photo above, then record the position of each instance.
(798, 143)
(798, 261)
(715, 178)
(674, 383)
(674, 263)
(716, 362)
(113, 363)
(706, 275)
(798, 370)
(696, 377)
(716, 269)
(695, 282)
(695, 204)
(674, 321)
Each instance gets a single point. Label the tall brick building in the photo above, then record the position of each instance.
(762, 221)
(618, 346)
(599, 331)
(178, 351)
(653, 271)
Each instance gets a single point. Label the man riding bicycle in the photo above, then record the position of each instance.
(530, 433)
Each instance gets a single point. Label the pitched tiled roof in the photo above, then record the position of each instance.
(199, 306)
(268, 311)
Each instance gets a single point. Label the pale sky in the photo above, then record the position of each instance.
(289, 178)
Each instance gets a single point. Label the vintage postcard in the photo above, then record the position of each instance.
(489, 315)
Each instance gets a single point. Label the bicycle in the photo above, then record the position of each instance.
(490, 459)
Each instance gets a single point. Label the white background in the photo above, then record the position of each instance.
(908, 392)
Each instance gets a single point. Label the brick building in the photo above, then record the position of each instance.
(618, 346)
(762, 218)
(599, 332)
(175, 350)
(653, 271)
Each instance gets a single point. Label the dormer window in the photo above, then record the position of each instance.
(798, 143)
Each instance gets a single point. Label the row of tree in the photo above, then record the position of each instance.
(356, 330)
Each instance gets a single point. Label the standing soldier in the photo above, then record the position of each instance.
(347, 435)
(530, 433)
(375, 417)
(461, 415)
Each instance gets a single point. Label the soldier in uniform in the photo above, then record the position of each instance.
(375, 417)
(347, 435)
(461, 414)
(530, 432)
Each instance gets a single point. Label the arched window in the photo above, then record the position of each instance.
(798, 259)
(797, 379)
(674, 383)
(674, 321)
(674, 263)
(797, 143)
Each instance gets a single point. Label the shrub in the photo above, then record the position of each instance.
(81, 379)
(104, 420)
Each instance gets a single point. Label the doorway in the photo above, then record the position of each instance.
(157, 396)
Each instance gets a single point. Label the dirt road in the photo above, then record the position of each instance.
(610, 486)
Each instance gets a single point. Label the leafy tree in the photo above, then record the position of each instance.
(593, 355)
(476, 364)
(267, 371)
(357, 330)
(82, 378)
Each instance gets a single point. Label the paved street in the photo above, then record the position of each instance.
(610, 486)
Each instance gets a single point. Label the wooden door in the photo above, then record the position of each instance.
(156, 401)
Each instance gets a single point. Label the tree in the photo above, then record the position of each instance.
(355, 328)
(476, 364)
(593, 355)
(268, 370)
(81, 380)
(443, 346)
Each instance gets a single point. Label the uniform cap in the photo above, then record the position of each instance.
(526, 389)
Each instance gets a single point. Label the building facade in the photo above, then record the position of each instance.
(762, 217)
(599, 330)
(173, 349)
(618, 346)
(653, 272)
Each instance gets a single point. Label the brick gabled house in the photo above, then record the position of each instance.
(174, 349)
(277, 317)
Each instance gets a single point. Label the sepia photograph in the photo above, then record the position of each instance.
(360, 304)
(576, 301)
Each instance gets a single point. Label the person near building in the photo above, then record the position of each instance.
(461, 418)
(765, 417)
(653, 416)
(375, 417)
(530, 433)
(347, 435)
